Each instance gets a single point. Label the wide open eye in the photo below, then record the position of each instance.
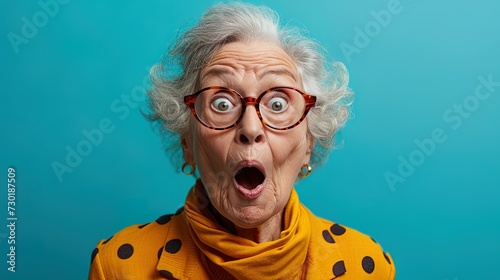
(277, 104)
(222, 104)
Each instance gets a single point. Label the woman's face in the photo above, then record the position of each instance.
(249, 170)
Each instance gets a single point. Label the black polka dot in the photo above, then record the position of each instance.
(163, 219)
(125, 251)
(338, 268)
(159, 252)
(328, 237)
(387, 258)
(166, 273)
(179, 210)
(107, 240)
(173, 246)
(141, 226)
(337, 229)
(94, 253)
(368, 264)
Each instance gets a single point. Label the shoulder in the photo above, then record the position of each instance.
(131, 251)
(361, 256)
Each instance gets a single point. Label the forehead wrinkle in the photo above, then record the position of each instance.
(218, 73)
(227, 77)
(228, 64)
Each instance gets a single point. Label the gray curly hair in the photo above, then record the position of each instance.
(177, 74)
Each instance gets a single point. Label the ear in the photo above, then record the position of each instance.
(187, 149)
(310, 148)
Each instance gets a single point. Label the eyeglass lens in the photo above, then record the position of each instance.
(279, 108)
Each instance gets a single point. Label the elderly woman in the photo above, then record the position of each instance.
(254, 109)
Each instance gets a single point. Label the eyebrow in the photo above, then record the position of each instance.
(217, 72)
(222, 73)
(278, 72)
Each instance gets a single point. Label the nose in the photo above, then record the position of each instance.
(250, 128)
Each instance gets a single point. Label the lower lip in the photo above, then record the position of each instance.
(250, 194)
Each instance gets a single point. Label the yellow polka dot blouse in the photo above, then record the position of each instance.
(192, 245)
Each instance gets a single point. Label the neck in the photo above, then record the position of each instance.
(268, 231)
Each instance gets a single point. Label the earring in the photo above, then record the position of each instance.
(190, 170)
(305, 170)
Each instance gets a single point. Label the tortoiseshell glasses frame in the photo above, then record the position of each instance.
(190, 101)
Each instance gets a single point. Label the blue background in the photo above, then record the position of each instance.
(440, 222)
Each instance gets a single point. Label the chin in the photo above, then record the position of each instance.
(252, 216)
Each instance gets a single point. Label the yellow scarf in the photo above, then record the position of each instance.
(242, 258)
(198, 247)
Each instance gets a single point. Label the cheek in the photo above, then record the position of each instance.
(211, 152)
(210, 149)
(289, 147)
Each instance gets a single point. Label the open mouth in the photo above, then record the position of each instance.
(249, 177)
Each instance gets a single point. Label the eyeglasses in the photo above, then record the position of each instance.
(222, 108)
